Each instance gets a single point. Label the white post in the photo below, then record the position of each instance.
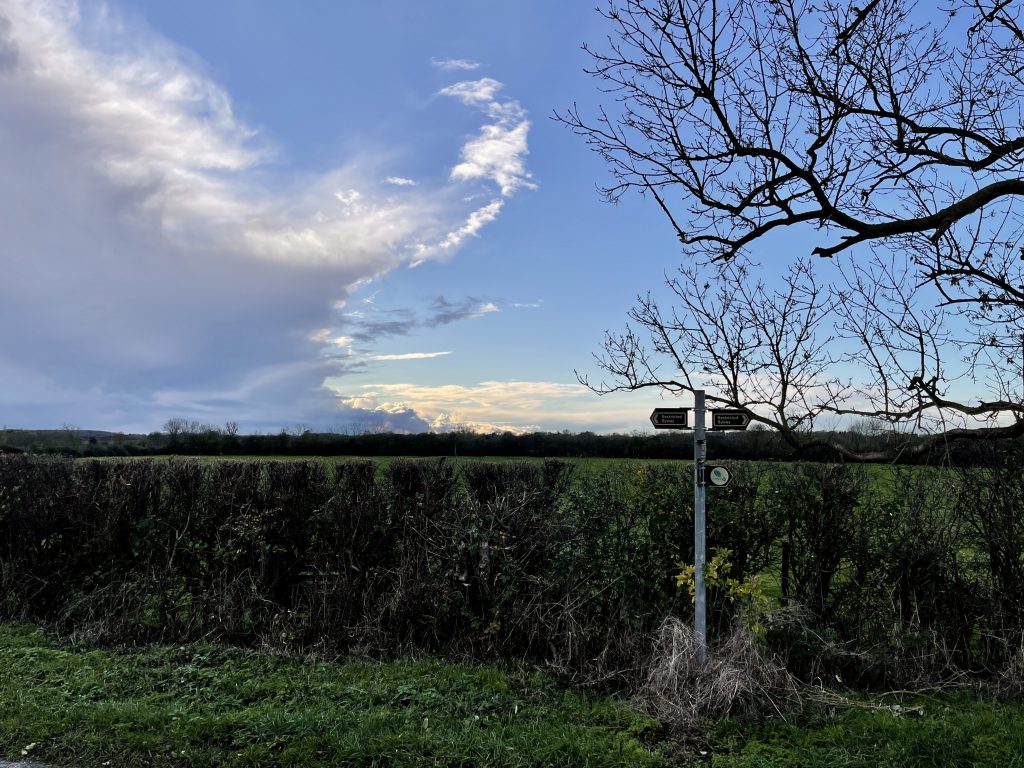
(699, 457)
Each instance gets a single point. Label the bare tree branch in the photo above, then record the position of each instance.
(888, 136)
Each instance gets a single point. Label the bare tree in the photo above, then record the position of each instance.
(887, 136)
(178, 426)
(175, 426)
(752, 344)
(73, 433)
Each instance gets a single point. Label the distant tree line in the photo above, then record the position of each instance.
(192, 438)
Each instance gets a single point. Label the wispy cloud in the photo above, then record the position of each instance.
(477, 93)
(444, 312)
(380, 330)
(370, 324)
(399, 181)
(454, 65)
(476, 221)
(498, 154)
(410, 356)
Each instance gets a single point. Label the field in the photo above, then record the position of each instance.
(586, 464)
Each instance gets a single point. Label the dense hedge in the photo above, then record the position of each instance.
(897, 572)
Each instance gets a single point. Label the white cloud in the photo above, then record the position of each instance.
(489, 406)
(348, 197)
(148, 258)
(476, 93)
(476, 221)
(450, 422)
(410, 356)
(499, 151)
(152, 125)
(450, 65)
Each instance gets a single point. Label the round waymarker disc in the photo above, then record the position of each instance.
(719, 476)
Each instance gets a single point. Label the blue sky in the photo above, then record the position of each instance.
(340, 215)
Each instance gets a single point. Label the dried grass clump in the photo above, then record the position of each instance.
(737, 678)
(1010, 679)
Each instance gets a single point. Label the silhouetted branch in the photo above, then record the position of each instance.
(889, 141)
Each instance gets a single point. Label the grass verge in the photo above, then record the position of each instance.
(217, 706)
(205, 705)
(951, 730)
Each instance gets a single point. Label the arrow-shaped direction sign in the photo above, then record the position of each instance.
(670, 418)
(729, 418)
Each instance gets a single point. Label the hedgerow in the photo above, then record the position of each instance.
(875, 576)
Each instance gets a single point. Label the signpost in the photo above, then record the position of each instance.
(729, 418)
(703, 475)
(700, 449)
(670, 418)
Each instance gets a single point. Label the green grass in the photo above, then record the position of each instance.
(949, 731)
(217, 706)
(205, 705)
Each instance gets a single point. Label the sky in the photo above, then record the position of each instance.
(335, 216)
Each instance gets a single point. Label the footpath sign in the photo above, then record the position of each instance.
(670, 418)
(729, 418)
(704, 475)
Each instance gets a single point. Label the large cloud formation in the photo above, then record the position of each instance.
(150, 269)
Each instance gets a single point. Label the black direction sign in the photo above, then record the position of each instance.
(729, 418)
(670, 418)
